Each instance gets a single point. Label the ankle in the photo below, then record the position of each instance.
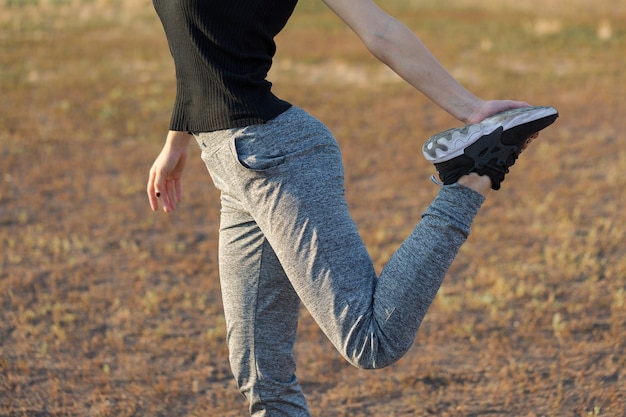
(479, 183)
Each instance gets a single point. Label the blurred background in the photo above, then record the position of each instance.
(108, 309)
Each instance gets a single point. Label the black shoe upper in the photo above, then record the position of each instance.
(492, 154)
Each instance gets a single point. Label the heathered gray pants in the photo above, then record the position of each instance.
(286, 235)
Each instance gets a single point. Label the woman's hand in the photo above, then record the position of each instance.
(489, 108)
(165, 179)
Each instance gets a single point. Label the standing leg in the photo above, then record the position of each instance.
(261, 310)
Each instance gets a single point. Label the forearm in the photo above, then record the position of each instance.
(399, 48)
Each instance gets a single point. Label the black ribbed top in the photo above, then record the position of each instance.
(222, 51)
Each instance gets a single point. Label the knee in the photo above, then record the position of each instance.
(375, 357)
(371, 363)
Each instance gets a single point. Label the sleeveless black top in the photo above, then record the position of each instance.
(222, 51)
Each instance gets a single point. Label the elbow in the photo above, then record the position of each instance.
(379, 39)
(377, 47)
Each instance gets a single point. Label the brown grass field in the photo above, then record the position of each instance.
(108, 309)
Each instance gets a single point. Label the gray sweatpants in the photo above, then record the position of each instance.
(286, 236)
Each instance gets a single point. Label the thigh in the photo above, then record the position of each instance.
(290, 177)
(260, 305)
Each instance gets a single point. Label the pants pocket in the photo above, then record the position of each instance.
(257, 153)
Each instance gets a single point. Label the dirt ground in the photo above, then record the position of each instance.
(108, 309)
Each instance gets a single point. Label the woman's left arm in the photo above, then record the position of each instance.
(392, 42)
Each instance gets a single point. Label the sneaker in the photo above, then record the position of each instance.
(490, 147)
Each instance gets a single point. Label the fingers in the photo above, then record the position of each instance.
(169, 192)
(168, 198)
(151, 191)
(160, 189)
(493, 107)
(178, 185)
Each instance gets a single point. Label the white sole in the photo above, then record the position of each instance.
(451, 143)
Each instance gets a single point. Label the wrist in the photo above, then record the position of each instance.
(178, 139)
(467, 113)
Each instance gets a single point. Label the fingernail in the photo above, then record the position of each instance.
(158, 195)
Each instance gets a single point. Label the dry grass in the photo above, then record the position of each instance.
(109, 310)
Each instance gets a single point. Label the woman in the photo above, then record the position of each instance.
(285, 231)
